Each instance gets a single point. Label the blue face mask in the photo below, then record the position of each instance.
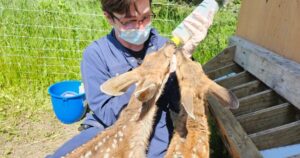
(136, 36)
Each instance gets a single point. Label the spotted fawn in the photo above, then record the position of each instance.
(129, 136)
(191, 133)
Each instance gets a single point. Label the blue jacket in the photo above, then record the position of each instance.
(106, 58)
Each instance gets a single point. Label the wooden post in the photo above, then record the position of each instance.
(234, 137)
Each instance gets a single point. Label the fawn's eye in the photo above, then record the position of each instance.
(169, 64)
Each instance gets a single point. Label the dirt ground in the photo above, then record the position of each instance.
(36, 139)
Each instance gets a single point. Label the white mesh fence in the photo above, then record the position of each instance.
(43, 40)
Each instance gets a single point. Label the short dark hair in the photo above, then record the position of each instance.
(118, 6)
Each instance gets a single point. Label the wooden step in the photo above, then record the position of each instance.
(227, 69)
(257, 101)
(223, 58)
(248, 88)
(268, 118)
(238, 79)
(279, 136)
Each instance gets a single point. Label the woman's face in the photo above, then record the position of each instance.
(140, 16)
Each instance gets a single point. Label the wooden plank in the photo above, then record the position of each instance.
(240, 78)
(279, 136)
(234, 137)
(279, 73)
(248, 88)
(268, 118)
(273, 25)
(256, 102)
(223, 58)
(227, 69)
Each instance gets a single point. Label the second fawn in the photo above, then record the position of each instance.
(191, 135)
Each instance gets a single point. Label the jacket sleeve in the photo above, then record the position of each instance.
(94, 72)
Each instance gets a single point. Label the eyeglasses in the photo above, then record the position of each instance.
(134, 23)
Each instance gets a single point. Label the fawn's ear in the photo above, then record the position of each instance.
(226, 97)
(118, 85)
(187, 100)
(146, 91)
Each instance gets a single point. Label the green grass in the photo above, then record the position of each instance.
(42, 42)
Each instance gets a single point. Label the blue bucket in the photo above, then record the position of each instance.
(68, 104)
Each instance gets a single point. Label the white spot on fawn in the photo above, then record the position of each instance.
(120, 134)
(177, 147)
(132, 119)
(106, 155)
(177, 155)
(99, 144)
(88, 154)
(130, 154)
(114, 146)
(194, 156)
(182, 140)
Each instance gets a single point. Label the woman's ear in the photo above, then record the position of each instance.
(109, 18)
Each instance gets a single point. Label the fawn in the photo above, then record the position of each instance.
(129, 135)
(191, 134)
